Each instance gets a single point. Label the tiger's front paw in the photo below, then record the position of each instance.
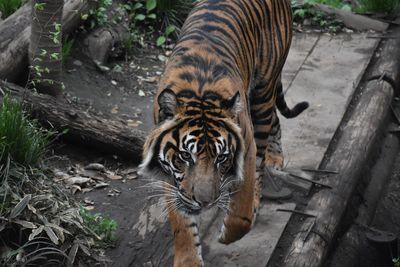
(188, 262)
(234, 229)
(274, 161)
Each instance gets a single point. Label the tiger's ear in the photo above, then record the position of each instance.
(233, 104)
(167, 102)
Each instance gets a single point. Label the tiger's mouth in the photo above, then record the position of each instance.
(192, 207)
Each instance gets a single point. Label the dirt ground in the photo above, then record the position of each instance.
(125, 91)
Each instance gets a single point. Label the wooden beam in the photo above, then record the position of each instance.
(356, 141)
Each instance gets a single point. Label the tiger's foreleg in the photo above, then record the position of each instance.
(186, 240)
(244, 204)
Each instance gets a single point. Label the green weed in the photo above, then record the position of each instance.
(7, 7)
(66, 47)
(102, 227)
(21, 139)
(396, 262)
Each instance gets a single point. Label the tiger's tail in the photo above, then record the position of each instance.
(284, 109)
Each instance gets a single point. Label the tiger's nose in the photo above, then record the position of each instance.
(204, 199)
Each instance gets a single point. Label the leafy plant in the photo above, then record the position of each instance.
(174, 12)
(66, 47)
(387, 6)
(159, 18)
(99, 16)
(101, 226)
(20, 138)
(163, 37)
(306, 11)
(7, 7)
(396, 262)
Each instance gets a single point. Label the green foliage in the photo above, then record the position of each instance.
(40, 6)
(385, 6)
(102, 227)
(159, 18)
(306, 10)
(99, 16)
(396, 262)
(7, 7)
(66, 47)
(20, 138)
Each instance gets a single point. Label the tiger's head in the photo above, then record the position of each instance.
(196, 150)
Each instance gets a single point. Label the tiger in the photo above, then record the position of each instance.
(215, 112)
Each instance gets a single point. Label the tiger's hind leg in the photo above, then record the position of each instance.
(267, 133)
(267, 129)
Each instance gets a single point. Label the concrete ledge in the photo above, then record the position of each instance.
(354, 141)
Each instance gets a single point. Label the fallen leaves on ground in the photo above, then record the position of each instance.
(92, 176)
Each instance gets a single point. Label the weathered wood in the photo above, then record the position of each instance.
(108, 40)
(14, 24)
(15, 34)
(357, 139)
(112, 136)
(354, 21)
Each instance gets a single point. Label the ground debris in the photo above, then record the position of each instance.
(92, 176)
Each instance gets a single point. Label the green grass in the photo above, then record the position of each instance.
(21, 139)
(100, 226)
(7, 7)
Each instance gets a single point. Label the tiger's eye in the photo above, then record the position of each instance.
(221, 158)
(185, 156)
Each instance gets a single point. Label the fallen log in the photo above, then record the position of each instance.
(15, 34)
(14, 24)
(354, 21)
(109, 135)
(356, 142)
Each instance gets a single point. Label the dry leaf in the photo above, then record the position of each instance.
(132, 176)
(25, 224)
(20, 207)
(77, 180)
(114, 177)
(129, 171)
(88, 201)
(114, 110)
(95, 167)
(101, 185)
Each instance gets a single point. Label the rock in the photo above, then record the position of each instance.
(78, 63)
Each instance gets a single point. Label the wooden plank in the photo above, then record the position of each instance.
(357, 139)
(301, 48)
(327, 80)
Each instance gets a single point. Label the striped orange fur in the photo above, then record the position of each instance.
(215, 111)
